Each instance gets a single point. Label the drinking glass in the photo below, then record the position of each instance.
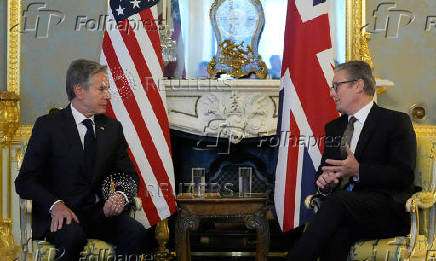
(199, 182)
(245, 179)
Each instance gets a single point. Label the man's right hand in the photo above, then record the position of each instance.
(60, 212)
(327, 179)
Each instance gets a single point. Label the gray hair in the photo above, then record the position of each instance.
(80, 72)
(359, 70)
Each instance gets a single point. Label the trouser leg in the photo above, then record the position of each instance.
(322, 227)
(128, 235)
(366, 215)
(68, 241)
(338, 247)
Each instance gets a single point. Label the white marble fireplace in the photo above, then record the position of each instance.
(234, 109)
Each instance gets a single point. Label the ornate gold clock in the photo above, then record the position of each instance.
(237, 25)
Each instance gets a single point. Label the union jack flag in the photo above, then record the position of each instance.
(131, 49)
(304, 107)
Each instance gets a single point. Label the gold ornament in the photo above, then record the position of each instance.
(237, 55)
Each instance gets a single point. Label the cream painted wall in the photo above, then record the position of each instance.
(408, 57)
(46, 57)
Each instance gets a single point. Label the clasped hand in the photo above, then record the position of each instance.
(60, 212)
(338, 169)
(114, 205)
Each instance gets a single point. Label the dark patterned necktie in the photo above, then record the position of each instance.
(345, 141)
(89, 145)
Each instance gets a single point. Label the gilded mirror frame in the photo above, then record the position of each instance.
(14, 22)
(356, 36)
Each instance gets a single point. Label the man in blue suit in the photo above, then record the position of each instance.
(69, 155)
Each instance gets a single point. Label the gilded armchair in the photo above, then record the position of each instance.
(420, 244)
(41, 250)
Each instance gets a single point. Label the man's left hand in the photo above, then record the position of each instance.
(114, 205)
(343, 168)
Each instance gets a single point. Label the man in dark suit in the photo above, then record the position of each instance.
(366, 171)
(69, 155)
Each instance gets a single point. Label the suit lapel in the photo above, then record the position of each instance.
(367, 131)
(342, 124)
(71, 134)
(339, 130)
(100, 134)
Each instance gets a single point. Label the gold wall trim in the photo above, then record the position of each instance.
(23, 133)
(1, 182)
(425, 130)
(356, 36)
(9, 179)
(14, 46)
(354, 17)
(13, 85)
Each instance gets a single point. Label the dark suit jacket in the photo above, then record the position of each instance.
(386, 152)
(53, 167)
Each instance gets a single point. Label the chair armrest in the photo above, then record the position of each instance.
(420, 200)
(314, 202)
(138, 204)
(25, 226)
(136, 207)
(308, 201)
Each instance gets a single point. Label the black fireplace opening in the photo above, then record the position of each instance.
(221, 160)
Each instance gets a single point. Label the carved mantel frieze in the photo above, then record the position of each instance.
(233, 109)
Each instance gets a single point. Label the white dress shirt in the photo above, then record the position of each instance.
(361, 116)
(81, 128)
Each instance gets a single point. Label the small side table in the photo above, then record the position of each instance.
(251, 211)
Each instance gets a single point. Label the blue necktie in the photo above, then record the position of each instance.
(89, 145)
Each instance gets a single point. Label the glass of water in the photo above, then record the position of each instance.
(245, 179)
(199, 182)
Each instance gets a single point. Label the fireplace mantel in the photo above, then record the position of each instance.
(233, 109)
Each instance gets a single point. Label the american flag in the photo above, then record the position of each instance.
(131, 49)
(304, 107)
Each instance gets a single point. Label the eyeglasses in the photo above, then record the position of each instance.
(335, 85)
